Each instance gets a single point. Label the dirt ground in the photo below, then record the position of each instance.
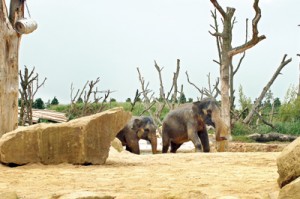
(181, 175)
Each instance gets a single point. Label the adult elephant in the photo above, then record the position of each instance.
(188, 123)
(138, 128)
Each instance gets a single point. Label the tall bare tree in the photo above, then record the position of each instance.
(227, 51)
(29, 86)
(9, 48)
(169, 99)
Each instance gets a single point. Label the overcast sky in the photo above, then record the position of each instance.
(80, 40)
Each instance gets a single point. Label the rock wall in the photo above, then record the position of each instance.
(84, 140)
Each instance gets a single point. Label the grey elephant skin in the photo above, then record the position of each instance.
(188, 123)
(138, 128)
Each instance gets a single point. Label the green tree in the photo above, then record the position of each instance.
(79, 100)
(39, 104)
(245, 102)
(54, 101)
(113, 100)
(128, 100)
(277, 102)
(289, 110)
(182, 98)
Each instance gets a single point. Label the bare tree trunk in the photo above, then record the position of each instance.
(9, 47)
(228, 52)
(27, 91)
(265, 89)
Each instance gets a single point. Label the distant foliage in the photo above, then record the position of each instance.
(290, 109)
(240, 129)
(182, 99)
(244, 102)
(38, 104)
(54, 101)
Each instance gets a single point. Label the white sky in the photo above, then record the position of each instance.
(80, 40)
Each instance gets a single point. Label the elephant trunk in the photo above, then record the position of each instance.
(153, 140)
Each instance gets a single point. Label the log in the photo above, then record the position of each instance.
(269, 137)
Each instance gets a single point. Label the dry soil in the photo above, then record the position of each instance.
(181, 175)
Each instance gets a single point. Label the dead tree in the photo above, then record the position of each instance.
(253, 110)
(84, 96)
(29, 85)
(135, 99)
(164, 99)
(9, 47)
(212, 91)
(227, 51)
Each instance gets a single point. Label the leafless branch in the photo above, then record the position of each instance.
(161, 90)
(283, 63)
(255, 38)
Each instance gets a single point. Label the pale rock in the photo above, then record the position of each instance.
(117, 144)
(84, 140)
(288, 163)
(291, 190)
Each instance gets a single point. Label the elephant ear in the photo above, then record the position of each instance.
(203, 109)
(136, 124)
(197, 108)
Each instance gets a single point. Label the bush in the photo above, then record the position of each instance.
(290, 111)
(54, 101)
(39, 104)
(240, 129)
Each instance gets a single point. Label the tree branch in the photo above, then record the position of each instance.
(161, 90)
(265, 89)
(255, 38)
(218, 7)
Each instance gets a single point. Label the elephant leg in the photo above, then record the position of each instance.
(193, 136)
(166, 143)
(204, 140)
(128, 149)
(174, 147)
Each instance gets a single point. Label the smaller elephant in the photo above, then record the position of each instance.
(138, 128)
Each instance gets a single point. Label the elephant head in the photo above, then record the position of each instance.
(145, 129)
(209, 112)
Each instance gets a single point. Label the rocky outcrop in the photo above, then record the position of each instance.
(288, 163)
(117, 144)
(291, 190)
(84, 140)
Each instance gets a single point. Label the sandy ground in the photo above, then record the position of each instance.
(181, 175)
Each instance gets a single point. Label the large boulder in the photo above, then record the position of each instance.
(288, 163)
(291, 190)
(84, 140)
